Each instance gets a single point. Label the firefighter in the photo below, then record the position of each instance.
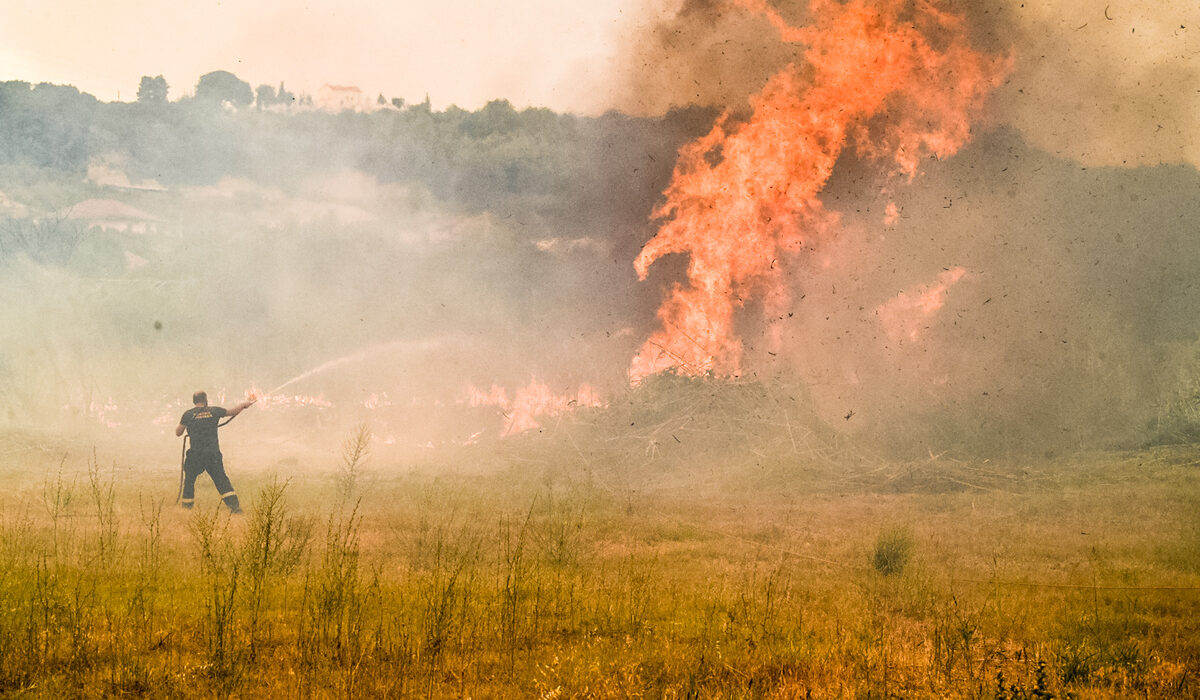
(204, 455)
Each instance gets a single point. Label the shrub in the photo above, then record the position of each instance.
(893, 548)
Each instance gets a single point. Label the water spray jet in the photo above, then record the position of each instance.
(353, 357)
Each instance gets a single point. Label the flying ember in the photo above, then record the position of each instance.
(895, 81)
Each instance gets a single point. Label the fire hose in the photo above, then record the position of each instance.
(183, 458)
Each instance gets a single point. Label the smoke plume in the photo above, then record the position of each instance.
(1008, 292)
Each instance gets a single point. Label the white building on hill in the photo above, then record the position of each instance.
(340, 98)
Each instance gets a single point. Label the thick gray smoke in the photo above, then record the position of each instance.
(1099, 83)
(415, 253)
(1060, 237)
(1071, 298)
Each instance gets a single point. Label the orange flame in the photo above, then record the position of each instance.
(907, 314)
(894, 79)
(530, 402)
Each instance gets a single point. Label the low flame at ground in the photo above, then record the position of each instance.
(526, 408)
(531, 403)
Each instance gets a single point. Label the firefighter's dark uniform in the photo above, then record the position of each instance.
(204, 455)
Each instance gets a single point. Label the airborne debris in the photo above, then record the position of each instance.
(737, 217)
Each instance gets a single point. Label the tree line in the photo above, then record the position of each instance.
(495, 157)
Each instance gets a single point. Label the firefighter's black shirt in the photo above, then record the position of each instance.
(201, 424)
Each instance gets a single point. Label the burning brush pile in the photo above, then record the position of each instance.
(881, 319)
(722, 434)
(847, 231)
(673, 420)
(895, 84)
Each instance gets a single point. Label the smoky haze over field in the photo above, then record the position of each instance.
(854, 353)
(436, 251)
(234, 250)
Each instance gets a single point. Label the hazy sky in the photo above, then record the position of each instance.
(1115, 82)
(532, 52)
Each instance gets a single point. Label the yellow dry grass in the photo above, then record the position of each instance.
(535, 568)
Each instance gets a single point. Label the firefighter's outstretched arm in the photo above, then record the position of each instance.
(233, 411)
(179, 430)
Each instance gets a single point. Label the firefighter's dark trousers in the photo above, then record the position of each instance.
(197, 463)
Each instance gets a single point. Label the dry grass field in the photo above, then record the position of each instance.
(583, 563)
